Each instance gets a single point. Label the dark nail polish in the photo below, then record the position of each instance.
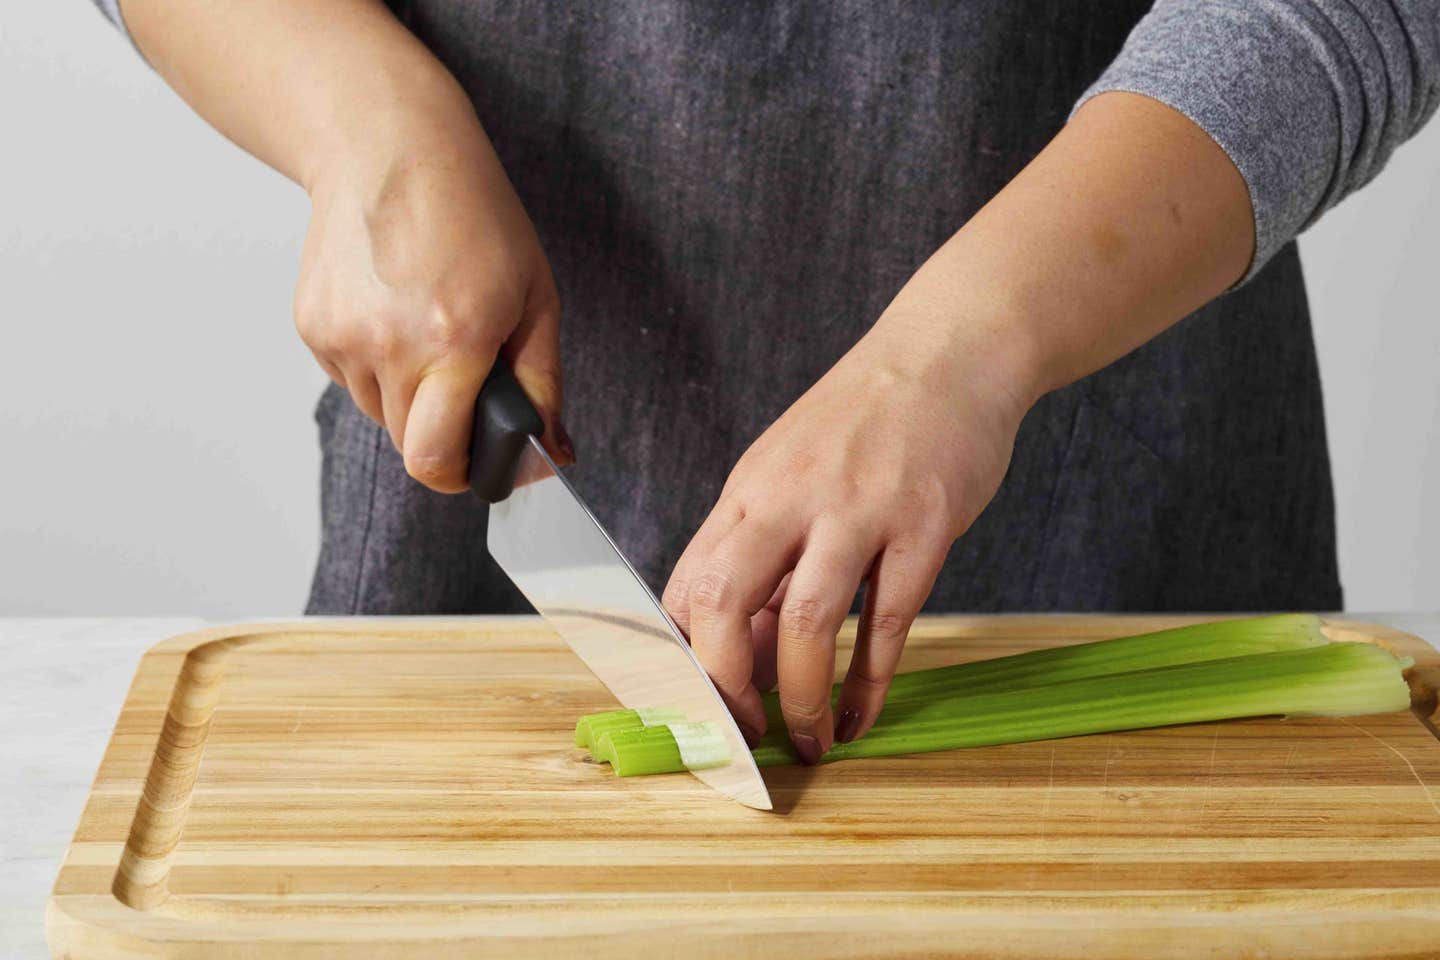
(808, 748)
(751, 735)
(563, 441)
(847, 725)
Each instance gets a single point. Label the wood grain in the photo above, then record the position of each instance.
(373, 790)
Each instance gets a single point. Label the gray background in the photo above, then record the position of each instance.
(155, 402)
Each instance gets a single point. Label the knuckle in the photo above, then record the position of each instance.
(307, 302)
(344, 338)
(805, 618)
(676, 600)
(674, 594)
(713, 590)
(888, 627)
(866, 677)
(384, 339)
(801, 713)
(309, 321)
(930, 495)
(312, 322)
(456, 324)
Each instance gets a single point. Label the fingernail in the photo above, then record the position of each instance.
(808, 748)
(752, 737)
(847, 725)
(562, 440)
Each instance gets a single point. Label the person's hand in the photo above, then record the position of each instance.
(420, 266)
(869, 477)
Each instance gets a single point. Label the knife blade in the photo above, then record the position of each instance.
(549, 543)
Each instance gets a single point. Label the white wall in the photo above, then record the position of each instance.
(159, 455)
(1372, 269)
(154, 399)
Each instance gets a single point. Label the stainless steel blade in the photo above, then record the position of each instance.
(570, 570)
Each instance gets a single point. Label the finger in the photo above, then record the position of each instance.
(331, 370)
(764, 635)
(533, 351)
(397, 394)
(736, 580)
(896, 590)
(717, 525)
(437, 432)
(815, 606)
(365, 391)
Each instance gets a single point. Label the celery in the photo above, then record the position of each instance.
(640, 751)
(1338, 679)
(1163, 648)
(662, 749)
(591, 727)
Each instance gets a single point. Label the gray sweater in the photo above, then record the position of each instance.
(1308, 97)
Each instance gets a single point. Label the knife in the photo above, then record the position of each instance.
(550, 544)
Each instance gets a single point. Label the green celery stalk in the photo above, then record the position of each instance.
(1338, 679)
(1163, 648)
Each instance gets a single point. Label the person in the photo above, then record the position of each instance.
(910, 250)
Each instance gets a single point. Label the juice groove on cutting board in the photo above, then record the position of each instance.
(390, 790)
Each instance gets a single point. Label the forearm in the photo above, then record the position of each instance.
(298, 84)
(1128, 220)
(420, 264)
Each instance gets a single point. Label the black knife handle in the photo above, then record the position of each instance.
(505, 420)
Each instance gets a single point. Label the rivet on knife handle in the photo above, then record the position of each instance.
(505, 420)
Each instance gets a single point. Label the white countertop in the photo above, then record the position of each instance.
(64, 682)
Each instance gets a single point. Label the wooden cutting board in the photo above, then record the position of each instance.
(388, 790)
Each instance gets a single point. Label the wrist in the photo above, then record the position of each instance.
(964, 344)
(402, 119)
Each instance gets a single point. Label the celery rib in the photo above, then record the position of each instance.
(1190, 644)
(1227, 670)
(1341, 679)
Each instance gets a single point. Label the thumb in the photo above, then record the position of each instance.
(533, 351)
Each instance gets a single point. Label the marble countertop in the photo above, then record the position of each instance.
(64, 682)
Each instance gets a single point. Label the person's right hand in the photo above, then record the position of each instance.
(420, 266)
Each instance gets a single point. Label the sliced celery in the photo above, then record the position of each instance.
(639, 750)
(663, 749)
(591, 727)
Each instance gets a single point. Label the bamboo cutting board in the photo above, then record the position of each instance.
(370, 790)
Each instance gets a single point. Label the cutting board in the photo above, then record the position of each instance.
(373, 789)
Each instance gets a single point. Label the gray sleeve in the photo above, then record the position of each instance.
(111, 9)
(1308, 97)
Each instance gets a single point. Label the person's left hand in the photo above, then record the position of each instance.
(869, 477)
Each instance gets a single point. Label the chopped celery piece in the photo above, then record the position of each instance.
(634, 753)
(591, 727)
(586, 726)
(663, 749)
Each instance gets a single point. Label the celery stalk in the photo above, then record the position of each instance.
(1338, 679)
(1163, 648)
